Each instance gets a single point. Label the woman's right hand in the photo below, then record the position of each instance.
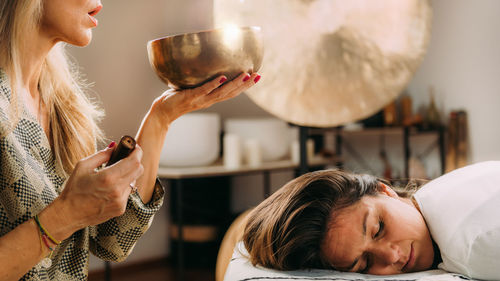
(92, 196)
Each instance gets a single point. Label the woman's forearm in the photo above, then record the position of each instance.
(21, 249)
(171, 105)
(150, 138)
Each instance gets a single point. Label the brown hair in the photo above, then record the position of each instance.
(286, 230)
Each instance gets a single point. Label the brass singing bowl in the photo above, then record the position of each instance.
(189, 60)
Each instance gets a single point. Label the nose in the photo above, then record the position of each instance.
(386, 253)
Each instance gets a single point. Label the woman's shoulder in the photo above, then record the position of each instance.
(5, 97)
(4, 85)
(471, 183)
(488, 165)
(3, 76)
(461, 210)
(469, 178)
(450, 200)
(484, 254)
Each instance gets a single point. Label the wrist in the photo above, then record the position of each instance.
(56, 219)
(155, 124)
(162, 112)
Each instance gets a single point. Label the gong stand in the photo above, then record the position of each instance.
(303, 163)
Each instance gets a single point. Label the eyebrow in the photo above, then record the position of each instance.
(364, 235)
(352, 265)
(364, 222)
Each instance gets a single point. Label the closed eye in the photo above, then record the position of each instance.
(380, 229)
(367, 267)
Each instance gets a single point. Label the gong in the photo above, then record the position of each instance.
(330, 62)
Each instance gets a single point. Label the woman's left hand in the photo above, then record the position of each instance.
(174, 103)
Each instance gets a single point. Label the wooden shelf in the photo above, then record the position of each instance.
(195, 233)
(394, 130)
(218, 169)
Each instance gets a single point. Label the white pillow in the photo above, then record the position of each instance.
(462, 211)
(240, 269)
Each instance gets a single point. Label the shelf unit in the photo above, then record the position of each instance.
(405, 133)
(174, 176)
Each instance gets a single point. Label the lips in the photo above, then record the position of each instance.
(94, 12)
(411, 260)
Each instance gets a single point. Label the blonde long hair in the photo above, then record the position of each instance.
(73, 118)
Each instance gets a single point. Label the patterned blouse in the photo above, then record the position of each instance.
(30, 180)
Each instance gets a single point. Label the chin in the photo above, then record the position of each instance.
(81, 41)
(427, 257)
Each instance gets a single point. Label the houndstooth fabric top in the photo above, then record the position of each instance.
(30, 180)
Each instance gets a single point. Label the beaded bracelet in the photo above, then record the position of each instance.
(45, 237)
(47, 261)
(44, 231)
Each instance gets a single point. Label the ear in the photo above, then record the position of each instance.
(385, 189)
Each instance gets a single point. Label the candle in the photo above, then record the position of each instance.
(295, 152)
(253, 155)
(310, 149)
(232, 151)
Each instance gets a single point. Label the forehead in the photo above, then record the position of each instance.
(345, 233)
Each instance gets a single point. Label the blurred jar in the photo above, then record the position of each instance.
(432, 118)
(390, 114)
(406, 110)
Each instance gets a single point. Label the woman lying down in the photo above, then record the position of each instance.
(336, 220)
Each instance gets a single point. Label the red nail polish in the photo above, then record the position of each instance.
(246, 78)
(222, 80)
(256, 79)
(112, 144)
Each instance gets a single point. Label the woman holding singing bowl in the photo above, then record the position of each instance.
(56, 206)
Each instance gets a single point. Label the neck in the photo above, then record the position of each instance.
(33, 54)
(437, 256)
(414, 203)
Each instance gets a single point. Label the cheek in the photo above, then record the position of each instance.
(69, 31)
(405, 223)
(70, 26)
(410, 218)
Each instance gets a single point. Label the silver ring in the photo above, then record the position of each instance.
(133, 187)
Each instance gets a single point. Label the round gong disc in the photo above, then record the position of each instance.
(330, 62)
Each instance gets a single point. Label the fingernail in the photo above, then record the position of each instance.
(246, 78)
(222, 80)
(112, 144)
(257, 78)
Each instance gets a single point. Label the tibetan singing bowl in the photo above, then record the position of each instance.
(189, 60)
